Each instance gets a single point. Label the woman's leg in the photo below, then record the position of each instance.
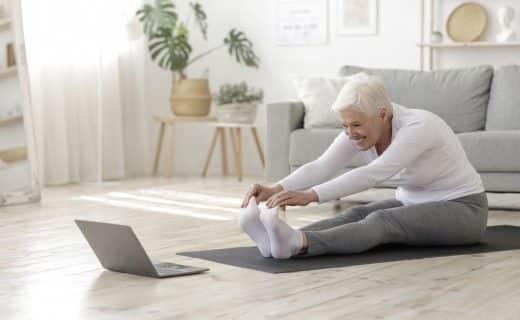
(455, 222)
(352, 214)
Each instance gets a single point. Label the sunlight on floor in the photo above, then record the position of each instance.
(125, 195)
(150, 206)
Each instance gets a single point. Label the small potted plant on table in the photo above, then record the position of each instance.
(237, 103)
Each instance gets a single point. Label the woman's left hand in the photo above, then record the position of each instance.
(292, 198)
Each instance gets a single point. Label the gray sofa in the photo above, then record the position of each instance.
(481, 105)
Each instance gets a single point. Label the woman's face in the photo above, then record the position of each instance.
(365, 131)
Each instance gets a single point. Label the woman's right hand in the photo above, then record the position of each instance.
(261, 193)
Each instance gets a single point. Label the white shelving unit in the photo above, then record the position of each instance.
(14, 154)
(431, 47)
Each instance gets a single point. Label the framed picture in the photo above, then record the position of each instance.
(302, 22)
(357, 17)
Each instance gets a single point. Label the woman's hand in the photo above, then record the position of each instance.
(292, 198)
(261, 193)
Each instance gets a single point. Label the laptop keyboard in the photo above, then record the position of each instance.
(169, 269)
(167, 266)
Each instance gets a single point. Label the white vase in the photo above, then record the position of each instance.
(506, 15)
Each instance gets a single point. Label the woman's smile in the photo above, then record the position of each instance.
(359, 140)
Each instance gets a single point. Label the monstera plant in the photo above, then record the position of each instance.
(169, 46)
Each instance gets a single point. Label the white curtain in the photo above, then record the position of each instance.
(91, 121)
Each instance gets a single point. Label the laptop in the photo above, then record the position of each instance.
(118, 249)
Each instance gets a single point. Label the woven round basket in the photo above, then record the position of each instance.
(467, 22)
(237, 112)
(190, 97)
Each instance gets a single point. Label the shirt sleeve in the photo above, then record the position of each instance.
(336, 157)
(409, 143)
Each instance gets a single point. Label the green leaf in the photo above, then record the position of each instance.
(170, 51)
(241, 48)
(162, 15)
(181, 29)
(201, 18)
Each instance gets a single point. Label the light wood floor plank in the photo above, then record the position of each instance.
(48, 271)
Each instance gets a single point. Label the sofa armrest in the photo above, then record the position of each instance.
(282, 119)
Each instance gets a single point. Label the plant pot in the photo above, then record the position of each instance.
(244, 112)
(190, 97)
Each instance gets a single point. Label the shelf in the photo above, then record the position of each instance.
(428, 50)
(5, 24)
(10, 120)
(475, 44)
(12, 165)
(8, 72)
(13, 155)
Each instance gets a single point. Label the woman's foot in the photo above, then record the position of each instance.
(285, 241)
(249, 221)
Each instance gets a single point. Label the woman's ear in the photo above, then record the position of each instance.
(382, 112)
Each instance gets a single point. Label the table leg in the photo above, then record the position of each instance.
(235, 151)
(258, 146)
(224, 151)
(239, 147)
(169, 154)
(158, 148)
(210, 153)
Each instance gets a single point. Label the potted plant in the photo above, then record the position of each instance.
(169, 46)
(237, 103)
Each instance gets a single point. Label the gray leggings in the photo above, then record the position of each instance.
(453, 222)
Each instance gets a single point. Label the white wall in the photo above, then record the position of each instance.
(394, 46)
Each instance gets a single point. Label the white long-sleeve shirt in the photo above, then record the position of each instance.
(425, 159)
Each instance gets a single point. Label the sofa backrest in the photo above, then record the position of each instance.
(459, 96)
(504, 102)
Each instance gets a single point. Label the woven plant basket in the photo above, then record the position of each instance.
(244, 112)
(190, 97)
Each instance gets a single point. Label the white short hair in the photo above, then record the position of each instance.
(363, 92)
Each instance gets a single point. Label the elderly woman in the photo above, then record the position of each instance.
(440, 199)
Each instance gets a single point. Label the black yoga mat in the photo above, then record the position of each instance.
(497, 238)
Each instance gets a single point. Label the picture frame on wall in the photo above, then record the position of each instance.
(302, 22)
(357, 17)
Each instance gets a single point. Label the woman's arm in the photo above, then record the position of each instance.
(410, 143)
(336, 157)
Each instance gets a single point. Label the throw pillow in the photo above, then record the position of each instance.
(318, 94)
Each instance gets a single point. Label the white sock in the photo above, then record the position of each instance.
(249, 221)
(285, 241)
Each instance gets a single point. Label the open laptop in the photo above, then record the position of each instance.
(118, 249)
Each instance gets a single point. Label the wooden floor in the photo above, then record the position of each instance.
(47, 270)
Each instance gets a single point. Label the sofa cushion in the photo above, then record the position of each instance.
(459, 96)
(308, 144)
(318, 95)
(488, 151)
(493, 151)
(504, 101)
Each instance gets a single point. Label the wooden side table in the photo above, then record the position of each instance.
(168, 123)
(235, 133)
